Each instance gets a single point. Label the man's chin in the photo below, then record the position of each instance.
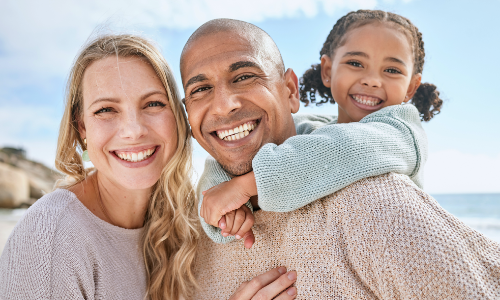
(237, 169)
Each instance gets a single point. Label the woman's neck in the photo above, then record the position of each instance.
(112, 203)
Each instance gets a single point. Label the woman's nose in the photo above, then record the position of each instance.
(133, 126)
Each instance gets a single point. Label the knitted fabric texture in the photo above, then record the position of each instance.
(325, 157)
(61, 250)
(379, 238)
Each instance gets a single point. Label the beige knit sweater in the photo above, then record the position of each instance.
(379, 238)
(60, 250)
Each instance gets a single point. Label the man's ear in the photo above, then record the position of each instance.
(326, 70)
(414, 84)
(292, 83)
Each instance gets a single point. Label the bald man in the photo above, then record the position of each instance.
(379, 238)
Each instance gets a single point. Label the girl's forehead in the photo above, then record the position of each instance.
(378, 35)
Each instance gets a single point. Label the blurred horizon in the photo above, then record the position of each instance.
(38, 42)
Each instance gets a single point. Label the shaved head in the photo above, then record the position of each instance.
(262, 44)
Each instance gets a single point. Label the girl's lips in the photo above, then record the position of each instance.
(138, 164)
(365, 106)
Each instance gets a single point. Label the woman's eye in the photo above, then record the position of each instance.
(156, 104)
(393, 71)
(243, 77)
(355, 64)
(103, 110)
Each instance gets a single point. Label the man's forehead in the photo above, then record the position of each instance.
(221, 50)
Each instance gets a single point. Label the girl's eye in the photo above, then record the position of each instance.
(393, 71)
(156, 104)
(355, 63)
(243, 77)
(103, 110)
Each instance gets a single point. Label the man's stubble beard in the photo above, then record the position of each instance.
(239, 169)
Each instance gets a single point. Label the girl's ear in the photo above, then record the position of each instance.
(326, 70)
(414, 84)
(292, 84)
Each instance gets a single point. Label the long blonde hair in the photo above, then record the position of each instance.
(170, 230)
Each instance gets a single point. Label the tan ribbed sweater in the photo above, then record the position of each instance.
(61, 250)
(379, 238)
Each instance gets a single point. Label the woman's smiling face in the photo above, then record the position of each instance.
(372, 69)
(127, 121)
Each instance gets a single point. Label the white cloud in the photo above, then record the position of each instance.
(39, 39)
(454, 172)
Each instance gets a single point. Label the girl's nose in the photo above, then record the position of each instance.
(371, 80)
(133, 127)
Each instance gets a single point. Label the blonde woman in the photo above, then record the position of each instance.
(126, 229)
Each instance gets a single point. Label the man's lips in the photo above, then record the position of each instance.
(238, 132)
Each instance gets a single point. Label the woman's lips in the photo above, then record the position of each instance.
(136, 156)
(146, 160)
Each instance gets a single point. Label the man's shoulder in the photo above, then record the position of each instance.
(390, 189)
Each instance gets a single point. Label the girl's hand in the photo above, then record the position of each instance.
(274, 284)
(239, 223)
(226, 197)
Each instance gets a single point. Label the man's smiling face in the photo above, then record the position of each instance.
(237, 99)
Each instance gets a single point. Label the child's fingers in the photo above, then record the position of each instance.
(247, 224)
(222, 222)
(249, 239)
(229, 223)
(239, 219)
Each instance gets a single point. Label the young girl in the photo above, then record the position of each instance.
(371, 63)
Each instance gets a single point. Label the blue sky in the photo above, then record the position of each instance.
(39, 40)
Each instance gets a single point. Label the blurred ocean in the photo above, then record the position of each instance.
(479, 211)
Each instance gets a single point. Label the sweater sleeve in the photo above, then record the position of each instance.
(326, 159)
(404, 245)
(212, 175)
(32, 267)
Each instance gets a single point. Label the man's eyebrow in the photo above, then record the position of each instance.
(356, 53)
(243, 64)
(195, 79)
(395, 60)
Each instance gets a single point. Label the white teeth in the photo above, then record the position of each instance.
(366, 100)
(136, 157)
(236, 133)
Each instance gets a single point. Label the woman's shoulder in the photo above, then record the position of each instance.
(42, 219)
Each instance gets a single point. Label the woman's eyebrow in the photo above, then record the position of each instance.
(114, 100)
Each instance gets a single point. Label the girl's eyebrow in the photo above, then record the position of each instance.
(356, 53)
(395, 60)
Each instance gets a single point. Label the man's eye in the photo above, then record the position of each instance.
(103, 110)
(243, 77)
(201, 89)
(355, 63)
(393, 71)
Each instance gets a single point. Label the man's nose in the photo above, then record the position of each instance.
(225, 102)
(371, 79)
(133, 126)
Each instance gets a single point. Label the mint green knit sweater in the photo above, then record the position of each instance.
(325, 157)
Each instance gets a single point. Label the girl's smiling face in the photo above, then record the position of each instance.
(130, 129)
(372, 69)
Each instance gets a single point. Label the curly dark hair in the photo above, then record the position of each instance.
(426, 99)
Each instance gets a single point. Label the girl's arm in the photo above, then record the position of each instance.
(308, 167)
